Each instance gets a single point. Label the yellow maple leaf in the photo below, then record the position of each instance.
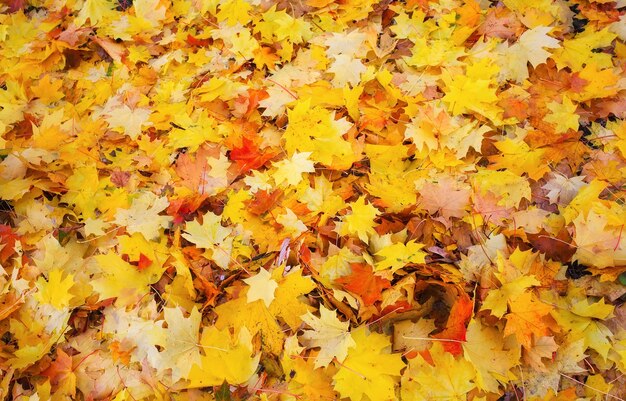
(360, 221)
(121, 280)
(600, 83)
(292, 225)
(315, 129)
(465, 94)
(226, 357)
(322, 199)
(584, 200)
(506, 185)
(579, 319)
(262, 287)
(519, 158)
(526, 319)
(598, 243)
(311, 383)
(291, 287)
(386, 165)
(530, 48)
(143, 215)
(486, 349)
(256, 317)
(95, 11)
(129, 121)
(369, 371)
(234, 11)
(497, 301)
(290, 170)
(412, 336)
(211, 235)
(329, 334)
(396, 256)
(473, 91)
(563, 115)
(15, 188)
(82, 186)
(579, 51)
(151, 11)
(446, 378)
(181, 348)
(55, 291)
(513, 284)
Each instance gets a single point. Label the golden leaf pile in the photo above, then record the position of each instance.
(312, 200)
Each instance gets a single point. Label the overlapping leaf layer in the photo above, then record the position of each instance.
(312, 200)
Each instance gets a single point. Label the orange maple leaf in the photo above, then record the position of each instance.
(364, 283)
(456, 326)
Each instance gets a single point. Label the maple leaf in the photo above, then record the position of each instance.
(347, 70)
(369, 370)
(563, 115)
(410, 336)
(7, 243)
(544, 347)
(151, 11)
(226, 358)
(55, 291)
(182, 347)
(386, 164)
(262, 287)
(510, 188)
(526, 319)
(360, 221)
(446, 377)
(291, 224)
(580, 320)
(315, 130)
(597, 242)
(456, 325)
(472, 91)
(446, 197)
(146, 335)
(311, 383)
(519, 158)
(61, 373)
(83, 186)
(562, 189)
(212, 236)
(530, 48)
(129, 121)
(486, 349)
(249, 156)
(143, 215)
(329, 334)
(465, 94)
(121, 280)
(255, 317)
(322, 199)
(291, 286)
(364, 283)
(94, 11)
(579, 50)
(290, 171)
(337, 264)
(397, 255)
(498, 300)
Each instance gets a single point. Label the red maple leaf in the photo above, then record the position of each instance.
(249, 156)
(7, 238)
(456, 326)
(364, 283)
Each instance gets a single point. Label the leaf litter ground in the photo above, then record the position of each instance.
(312, 200)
